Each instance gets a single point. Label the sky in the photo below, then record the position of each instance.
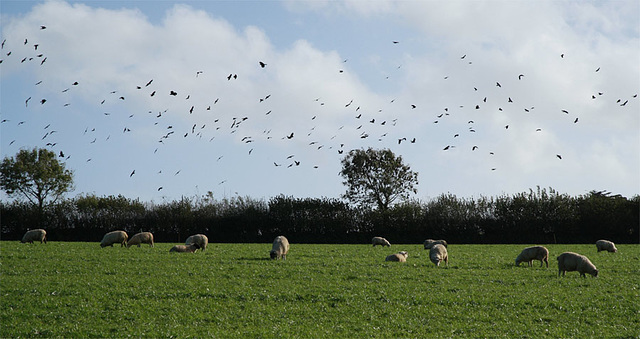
(158, 100)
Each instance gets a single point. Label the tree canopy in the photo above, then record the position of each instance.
(377, 178)
(36, 175)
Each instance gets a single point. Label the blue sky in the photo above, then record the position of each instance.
(335, 79)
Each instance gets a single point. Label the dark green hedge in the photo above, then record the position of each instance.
(540, 216)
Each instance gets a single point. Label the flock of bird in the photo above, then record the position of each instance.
(366, 125)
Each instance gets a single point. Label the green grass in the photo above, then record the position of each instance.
(233, 290)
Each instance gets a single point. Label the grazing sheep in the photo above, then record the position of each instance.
(115, 237)
(569, 261)
(199, 239)
(191, 248)
(380, 241)
(141, 238)
(606, 245)
(400, 257)
(430, 242)
(35, 235)
(438, 253)
(280, 248)
(530, 254)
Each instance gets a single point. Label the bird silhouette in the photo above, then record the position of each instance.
(262, 64)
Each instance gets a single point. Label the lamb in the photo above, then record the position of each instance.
(530, 254)
(115, 237)
(438, 253)
(141, 238)
(606, 245)
(35, 235)
(569, 261)
(280, 248)
(380, 241)
(430, 242)
(199, 239)
(191, 248)
(400, 257)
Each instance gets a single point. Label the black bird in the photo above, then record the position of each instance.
(498, 84)
(43, 27)
(159, 188)
(132, 173)
(413, 106)
(520, 76)
(148, 83)
(565, 111)
(575, 121)
(262, 64)
(446, 148)
(290, 136)
(173, 93)
(559, 156)
(61, 155)
(43, 101)
(396, 42)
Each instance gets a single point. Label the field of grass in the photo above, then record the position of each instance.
(232, 290)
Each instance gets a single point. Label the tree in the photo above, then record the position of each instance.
(377, 177)
(37, 175)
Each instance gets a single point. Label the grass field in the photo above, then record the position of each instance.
(232, 290)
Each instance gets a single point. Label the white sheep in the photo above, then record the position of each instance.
(141, 238)
(380, 241)
(191, 248)
(430, 242)
(400, 257)
(35, 235)
(280, 248)
(569, 261)
(530, 254)
(199, 239)
(606, 245)
(114, 237)
(438, 253)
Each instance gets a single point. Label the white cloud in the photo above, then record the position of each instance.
(117, 50)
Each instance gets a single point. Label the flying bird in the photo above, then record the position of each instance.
(132, 173)
(520, 76)
(262, 64)
(559, 156)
